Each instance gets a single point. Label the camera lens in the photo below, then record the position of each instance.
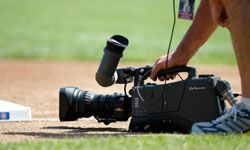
(75, 103)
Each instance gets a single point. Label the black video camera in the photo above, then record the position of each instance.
(171, 107)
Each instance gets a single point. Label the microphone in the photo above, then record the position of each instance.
(113, 51)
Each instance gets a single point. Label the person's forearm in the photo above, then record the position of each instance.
(202, 27)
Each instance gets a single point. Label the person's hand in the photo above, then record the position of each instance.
(160, 64)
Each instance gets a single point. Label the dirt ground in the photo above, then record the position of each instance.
(36, 84)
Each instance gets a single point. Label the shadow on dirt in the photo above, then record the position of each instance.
(60, 132)
(79, 129)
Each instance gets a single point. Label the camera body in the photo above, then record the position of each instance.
(174, 107)
(169, 107)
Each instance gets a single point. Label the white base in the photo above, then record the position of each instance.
(14, 112)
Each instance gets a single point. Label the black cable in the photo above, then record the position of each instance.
(169, 47)
(172, 34)
(125, 88)
(180, 76)
(168, 51)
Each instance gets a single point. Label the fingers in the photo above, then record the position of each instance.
(162, 78)
(157, 67)
(160, 64)
(173, 76)
(167, 77)
(154, 71)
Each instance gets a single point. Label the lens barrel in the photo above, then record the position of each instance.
(75, 103)
(113, 51)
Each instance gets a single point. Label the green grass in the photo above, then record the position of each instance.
(147, 142)
(77, 30)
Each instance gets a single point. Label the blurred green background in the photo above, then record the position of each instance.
(77, 30)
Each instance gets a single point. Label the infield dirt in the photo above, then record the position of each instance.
(36, 84)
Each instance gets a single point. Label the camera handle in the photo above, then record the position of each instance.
(191, 71)
(143, 73)
(127, 75)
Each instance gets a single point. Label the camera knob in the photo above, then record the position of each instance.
(141, 71)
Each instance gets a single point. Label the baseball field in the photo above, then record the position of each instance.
(45, 45)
